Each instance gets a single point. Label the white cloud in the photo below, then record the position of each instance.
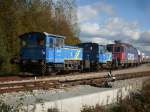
(114, 28)
(145, 37)
(90, 28)
(91, 11)
(103, 7)
(86, 13)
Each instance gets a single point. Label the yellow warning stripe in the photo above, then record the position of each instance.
(77, 54)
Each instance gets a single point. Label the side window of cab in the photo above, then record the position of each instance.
(24, 43)
(40, 41)
(51, 43)
(59, 43)
(101, 49)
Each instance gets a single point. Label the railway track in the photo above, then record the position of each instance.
(17, 77)
(62, 82)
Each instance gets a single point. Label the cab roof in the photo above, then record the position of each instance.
(43, 33)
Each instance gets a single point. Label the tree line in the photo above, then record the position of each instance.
(20, 16)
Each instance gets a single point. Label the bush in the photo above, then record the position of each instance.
(6, 108)
(136, 102)
(1, 61)
(96, 108)
(53, 110)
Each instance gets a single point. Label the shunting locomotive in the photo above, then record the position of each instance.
(95, 56)
(46, 53)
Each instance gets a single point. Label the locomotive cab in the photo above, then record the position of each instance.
(95, 56)
(105, 57)
(32, 46)
(32, 51)
(117, 53)
(38, 49)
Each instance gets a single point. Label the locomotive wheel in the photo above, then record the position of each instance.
(49, 69)
(80, 68)
(43, 69)
(23, 68)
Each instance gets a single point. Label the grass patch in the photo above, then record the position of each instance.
(7, 74)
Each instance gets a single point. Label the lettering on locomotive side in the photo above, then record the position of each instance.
(130, 56)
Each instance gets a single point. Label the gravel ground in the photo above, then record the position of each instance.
(135, 82)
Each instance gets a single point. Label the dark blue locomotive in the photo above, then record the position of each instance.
(46, 53)
(95, 56)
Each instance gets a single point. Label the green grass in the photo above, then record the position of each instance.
(6, 74)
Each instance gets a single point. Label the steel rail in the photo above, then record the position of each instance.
(55, 84)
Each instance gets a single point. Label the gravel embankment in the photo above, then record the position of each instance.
(136, 82)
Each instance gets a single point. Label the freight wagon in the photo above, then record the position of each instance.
(123, 55)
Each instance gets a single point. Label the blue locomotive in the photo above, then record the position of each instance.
(95, 56)
(46, 53)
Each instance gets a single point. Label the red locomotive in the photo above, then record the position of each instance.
(123, 55)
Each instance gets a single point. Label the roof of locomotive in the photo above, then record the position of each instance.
(43, 33)
(90, 43)
(121, 44)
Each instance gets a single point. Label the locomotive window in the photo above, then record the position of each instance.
(23, 43)
(109, 49)
(122, 49)
(101, 49)
(51, 42)
(59, 42)
(62, 42)
(40, 41)
(117, 49)
(87, 47)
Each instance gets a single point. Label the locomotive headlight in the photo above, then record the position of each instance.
(43, 52)
(24, 61)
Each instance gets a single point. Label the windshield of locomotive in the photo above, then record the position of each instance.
(32, 40)
(109, 48)
(101, 48)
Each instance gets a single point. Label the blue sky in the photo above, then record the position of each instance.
(103, 21)
(128, 9)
